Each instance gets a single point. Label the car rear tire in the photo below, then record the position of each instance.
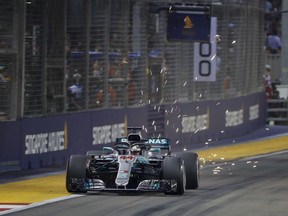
(192, 168)
(76, 169)
(173, 168)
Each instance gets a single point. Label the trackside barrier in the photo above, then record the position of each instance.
(45, 141)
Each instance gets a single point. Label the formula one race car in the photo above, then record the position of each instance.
(134, 164)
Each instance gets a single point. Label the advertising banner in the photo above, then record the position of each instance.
(10, 151)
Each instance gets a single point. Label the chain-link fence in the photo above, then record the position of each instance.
(84, 55)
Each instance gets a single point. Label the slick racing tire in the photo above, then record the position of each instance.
(191, 162)
(173, 168)
(76, 174)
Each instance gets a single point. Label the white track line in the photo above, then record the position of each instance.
(264, 155)
(23, 207)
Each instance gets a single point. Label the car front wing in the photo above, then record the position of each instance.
(154, 185)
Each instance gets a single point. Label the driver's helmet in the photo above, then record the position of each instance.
(135, 150)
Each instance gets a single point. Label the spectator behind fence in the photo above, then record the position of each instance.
(112, 97)
(75, 94)
(132, 88)
(268, 82)
(273, 43)
(268, 6)
(5, 79)
(228, 87)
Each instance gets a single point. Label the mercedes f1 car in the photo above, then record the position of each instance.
(134, 164)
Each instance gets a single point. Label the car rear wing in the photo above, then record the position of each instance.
(162, 143)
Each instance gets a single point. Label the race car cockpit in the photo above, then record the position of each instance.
(122, 148)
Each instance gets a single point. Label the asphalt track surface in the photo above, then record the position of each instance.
(230, 185)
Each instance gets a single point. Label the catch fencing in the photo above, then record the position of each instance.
(61, 56)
